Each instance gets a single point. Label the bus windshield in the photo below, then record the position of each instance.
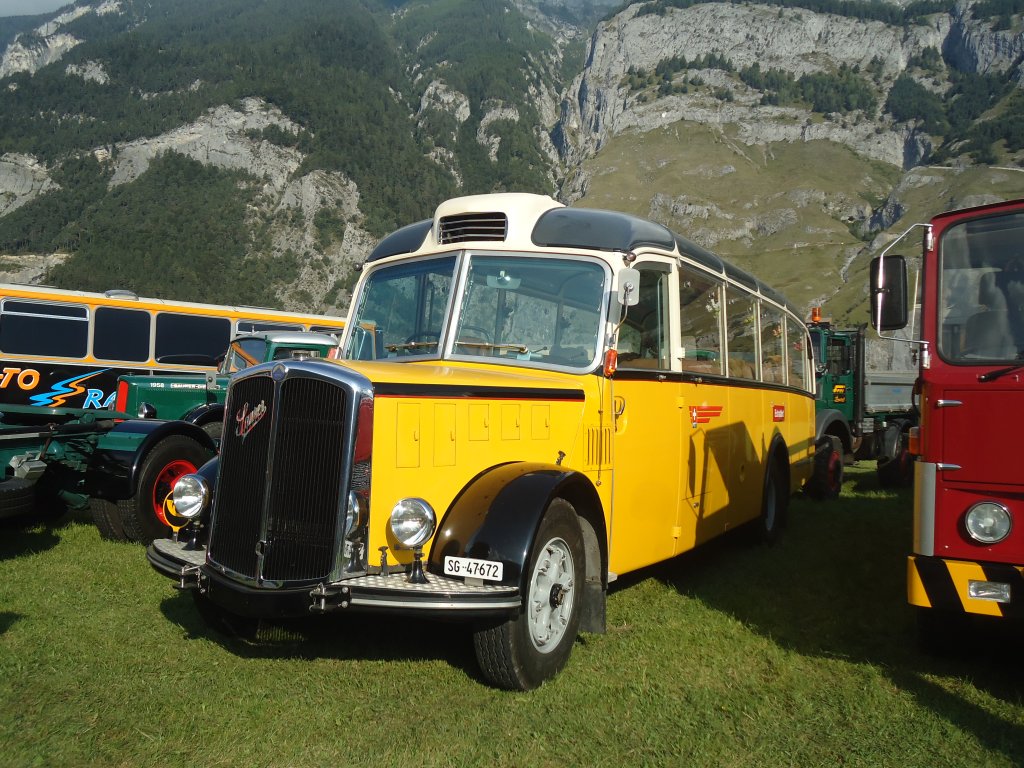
(981, 279)
(513, 308)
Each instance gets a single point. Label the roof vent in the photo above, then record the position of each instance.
(473, 226)
(121, 293)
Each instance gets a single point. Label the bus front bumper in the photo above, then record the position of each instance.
(959, 586)
(441, 595)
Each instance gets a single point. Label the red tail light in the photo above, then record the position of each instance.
(122, 396)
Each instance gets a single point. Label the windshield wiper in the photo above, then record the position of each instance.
(999, 372)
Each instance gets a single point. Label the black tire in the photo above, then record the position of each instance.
(523, 651)
(774, 504)
(166, 461)
(223, 621)
(214, 429)
(895, 464)
(107, 518)
(827, 479)
(17, 499)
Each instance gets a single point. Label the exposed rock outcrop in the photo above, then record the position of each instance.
(22, 178)
(48, 42)
(221, 138)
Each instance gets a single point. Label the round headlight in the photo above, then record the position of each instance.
(988, 522)
(190, 495)
(412, 522)
(353, 512)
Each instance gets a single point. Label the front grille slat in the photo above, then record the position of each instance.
(300, 505)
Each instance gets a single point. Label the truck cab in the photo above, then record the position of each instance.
(200, 399)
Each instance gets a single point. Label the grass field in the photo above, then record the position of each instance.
(797, 654)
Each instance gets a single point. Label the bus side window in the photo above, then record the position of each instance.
(648, 322)
(741, 322)
(773, 366)
(700, 302)
(181, 334)
(255, 326)
(121, 334)
(796, 352)
(43, 328)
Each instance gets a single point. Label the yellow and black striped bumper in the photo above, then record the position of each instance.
(946, 585)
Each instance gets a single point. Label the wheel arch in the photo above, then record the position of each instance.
(204, 414)
(778, 454)
(832, 422)
(496, 516)
(113, 471)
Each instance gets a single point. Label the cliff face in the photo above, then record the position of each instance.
(22, 178)
(48, 42)
(598, 105)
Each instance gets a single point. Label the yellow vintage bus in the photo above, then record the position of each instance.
(62, 348)
(531, 400)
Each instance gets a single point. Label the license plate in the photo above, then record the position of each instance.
(488, 570)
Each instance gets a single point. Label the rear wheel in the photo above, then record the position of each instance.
(214, 429)
(107, 518)
(827, 480)
(523, 651)
(895, 464)
(17, 498)
(143, 515)
(774, 503)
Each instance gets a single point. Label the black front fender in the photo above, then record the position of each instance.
(205, 414)
(114, 467)
(496, 516)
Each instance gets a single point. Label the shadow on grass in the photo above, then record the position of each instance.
(834, 586)
(354, 636)
(30, 536)
(8, 619)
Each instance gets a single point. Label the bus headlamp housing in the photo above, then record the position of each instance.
(190, 494)
(988, 522)
(412, 522)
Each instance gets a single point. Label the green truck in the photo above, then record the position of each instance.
(44, 453)
(865, 407)
(178, 426)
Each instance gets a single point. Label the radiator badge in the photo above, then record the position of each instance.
(246, 420)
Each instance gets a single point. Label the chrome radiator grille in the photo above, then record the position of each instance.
(282, 480)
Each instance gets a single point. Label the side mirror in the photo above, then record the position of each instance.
(629, 287)
(888, 293)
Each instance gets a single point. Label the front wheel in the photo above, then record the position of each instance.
(142, 516)
(827, 480)
(523, 651)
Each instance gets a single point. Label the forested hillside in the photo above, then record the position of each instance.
(230, 150)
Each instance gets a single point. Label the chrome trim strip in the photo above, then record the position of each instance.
(924, 508)
(947, 403)
(428, 605)
(948, 466)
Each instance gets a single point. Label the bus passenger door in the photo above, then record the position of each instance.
(706, 438)
(648, 425)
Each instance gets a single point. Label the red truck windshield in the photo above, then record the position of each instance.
(981, 280)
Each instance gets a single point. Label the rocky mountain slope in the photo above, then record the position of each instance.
(716, 118)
